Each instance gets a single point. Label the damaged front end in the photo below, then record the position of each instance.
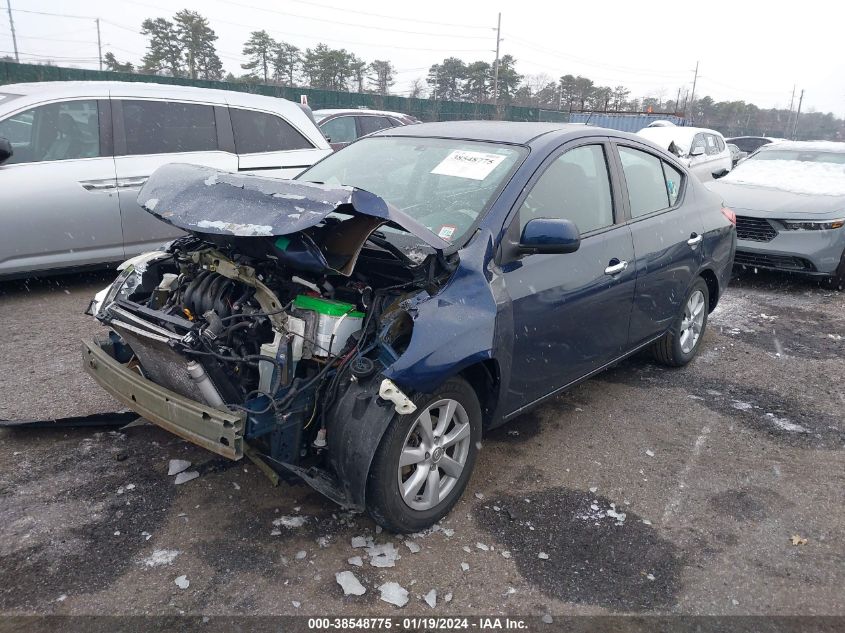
(269, 327)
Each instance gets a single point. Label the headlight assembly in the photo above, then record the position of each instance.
(813, 225)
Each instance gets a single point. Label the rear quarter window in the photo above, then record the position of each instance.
(262, 132)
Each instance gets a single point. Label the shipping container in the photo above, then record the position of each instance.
(623, 122)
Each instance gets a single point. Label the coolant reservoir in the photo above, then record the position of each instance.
(329, 323)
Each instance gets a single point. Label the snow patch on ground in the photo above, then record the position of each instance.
(160, 557)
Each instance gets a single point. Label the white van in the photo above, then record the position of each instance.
(704, 151)
(82, 150)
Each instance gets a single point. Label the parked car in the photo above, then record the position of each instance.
(81, 151)
(750, 144)
(341, 127)
(789, 199)
(360, 326)
(703, 151)
(736, 154)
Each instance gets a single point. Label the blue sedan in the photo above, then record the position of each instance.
(360, 327)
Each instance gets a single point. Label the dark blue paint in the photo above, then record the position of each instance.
(546, 321)
(547, 235)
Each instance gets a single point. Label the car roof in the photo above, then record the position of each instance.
(806, 146)
(58, 89)
(515, 132)
(333, 111)
(37, 92)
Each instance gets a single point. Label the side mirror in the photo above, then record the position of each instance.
(719, 174)
(697, 151)
(546, 235)
(6, 150)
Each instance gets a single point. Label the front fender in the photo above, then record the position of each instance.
(453, 329)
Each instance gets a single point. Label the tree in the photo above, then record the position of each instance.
(286, 61)
(382, 76)
(327, 68)
(260, 49)
(568, 91)
(164, 51)
(477, 84)
(416, 88)
(583, 90)
(114, 65)
(509, 79)
(197, 41)
(446, 78)
(358, 70)
(619, 96)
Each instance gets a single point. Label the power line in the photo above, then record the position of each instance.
(389, 17)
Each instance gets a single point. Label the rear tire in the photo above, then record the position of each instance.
(442, 437)
(679, 345)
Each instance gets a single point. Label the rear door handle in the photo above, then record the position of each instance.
(695, 239)
(616, 268)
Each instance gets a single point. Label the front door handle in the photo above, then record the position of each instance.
(695, 239)
(615, 269)
(129, 183)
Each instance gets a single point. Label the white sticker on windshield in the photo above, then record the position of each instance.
(464, 164)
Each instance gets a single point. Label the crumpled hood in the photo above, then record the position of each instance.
(208, 201)
(783, 204)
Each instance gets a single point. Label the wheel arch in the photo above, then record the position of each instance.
(712, 282)
(485, 379)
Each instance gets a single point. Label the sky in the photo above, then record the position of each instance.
(747, 50)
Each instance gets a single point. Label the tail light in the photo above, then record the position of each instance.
(730, 215)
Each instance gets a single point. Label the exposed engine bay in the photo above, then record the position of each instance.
(274, 328)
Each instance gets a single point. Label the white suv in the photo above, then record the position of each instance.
(704, 151)
(82, 150)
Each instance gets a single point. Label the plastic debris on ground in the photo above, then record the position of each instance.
(184, 477)
(350, 584)
(182, 582)
(465, 566)
(431, 598)
(177, 466)
(393, 593)
(649, 452)
(543, 556)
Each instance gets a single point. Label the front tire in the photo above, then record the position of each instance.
(680, 344)
(425, 459)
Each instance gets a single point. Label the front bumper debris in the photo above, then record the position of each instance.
(216, 430)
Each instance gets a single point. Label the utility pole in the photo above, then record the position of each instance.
(496, 63)
(12, 27)
(797, 114)
(692, 96)
(789, 116)
(99, 44)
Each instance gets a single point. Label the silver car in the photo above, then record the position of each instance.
(80, 152)
(789, 200)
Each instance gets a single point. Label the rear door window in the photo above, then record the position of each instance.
(370, 124)
(257, 132)
(647, 189)
(168, 127)
(56, 131)
(340, 129)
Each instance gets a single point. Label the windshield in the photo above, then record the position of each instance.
(804, 156)
(444, 184)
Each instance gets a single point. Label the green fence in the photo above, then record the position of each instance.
(423, 109)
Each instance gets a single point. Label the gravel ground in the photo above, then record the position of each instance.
(715, 468)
